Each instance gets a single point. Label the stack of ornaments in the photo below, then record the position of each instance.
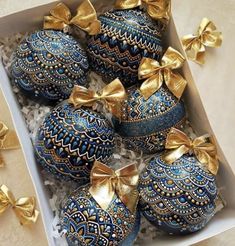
(141, 104)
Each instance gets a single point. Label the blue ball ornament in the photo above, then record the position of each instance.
(69, 140)
(47, 65)
(144, 124)
(126, 37)
(86, 223)
(178, 198)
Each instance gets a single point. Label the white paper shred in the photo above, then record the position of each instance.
(34, 113)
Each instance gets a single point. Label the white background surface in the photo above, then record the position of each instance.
(215, 79)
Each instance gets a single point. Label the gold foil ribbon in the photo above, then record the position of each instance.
(105, 183)
(195, 45)
(156, 73)
(112, 95)
(179, 144)
(157, 9)
(24, 208)
(85, 19)
(8, 140)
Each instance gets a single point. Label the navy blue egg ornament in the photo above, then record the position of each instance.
(87, 222)
(49, 62)
(69, 140)
(126, 37)
(152, 109)
(47, 65)
(73, 136)
(177, 198)
(144, 124)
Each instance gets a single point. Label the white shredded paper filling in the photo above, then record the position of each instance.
(34, 114)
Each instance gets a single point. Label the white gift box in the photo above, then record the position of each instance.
(31, 19)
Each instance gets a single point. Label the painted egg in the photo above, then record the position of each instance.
(179, 198)
(47, 65)
(69, 140)
(86, 223)
(144, 124)
(126, 37)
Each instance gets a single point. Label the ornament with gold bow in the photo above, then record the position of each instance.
(206, 36)
(24, 208)
(60, 18)
(156, 73)
(8, 140)
(157, 9)
(111, 96)
(105, 183)
(204, 150)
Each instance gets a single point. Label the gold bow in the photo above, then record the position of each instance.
(8, 140)
(105, 183)
(85, 19)
(157, 9)
(155, 74)
(180, 144)
(207, 35)
(112, 95)
(24, 207)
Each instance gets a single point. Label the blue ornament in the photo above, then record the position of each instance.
(177, 198)
(126, 37)
(47, 65)
(69, 141)
(144, 124)
(86, 223)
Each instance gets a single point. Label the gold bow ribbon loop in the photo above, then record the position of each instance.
(207, 35)
(112, 95)
(157, 9)
(8, 140)
(24, 208)
(179, 144)
(156, 73)
(85, 19)
(105, 183)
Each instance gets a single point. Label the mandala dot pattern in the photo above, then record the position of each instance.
(179, 198)
(47, 65)
(69, 141)
(86, 223)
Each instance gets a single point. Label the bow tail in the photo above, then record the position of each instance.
(171, 156)
(151, 85)
(196, 51)
(175, 83)
(207, 159)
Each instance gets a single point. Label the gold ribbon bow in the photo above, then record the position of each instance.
(8, 140)
(85, 19)
(112, 95)
(157, 9)
(180, 144)
(207, 35)
(105, 183)
(156, 73)
(24, 207)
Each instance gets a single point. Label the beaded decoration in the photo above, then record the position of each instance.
(178, 198)
(47, 65)
(88, 224)
(70, 140)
